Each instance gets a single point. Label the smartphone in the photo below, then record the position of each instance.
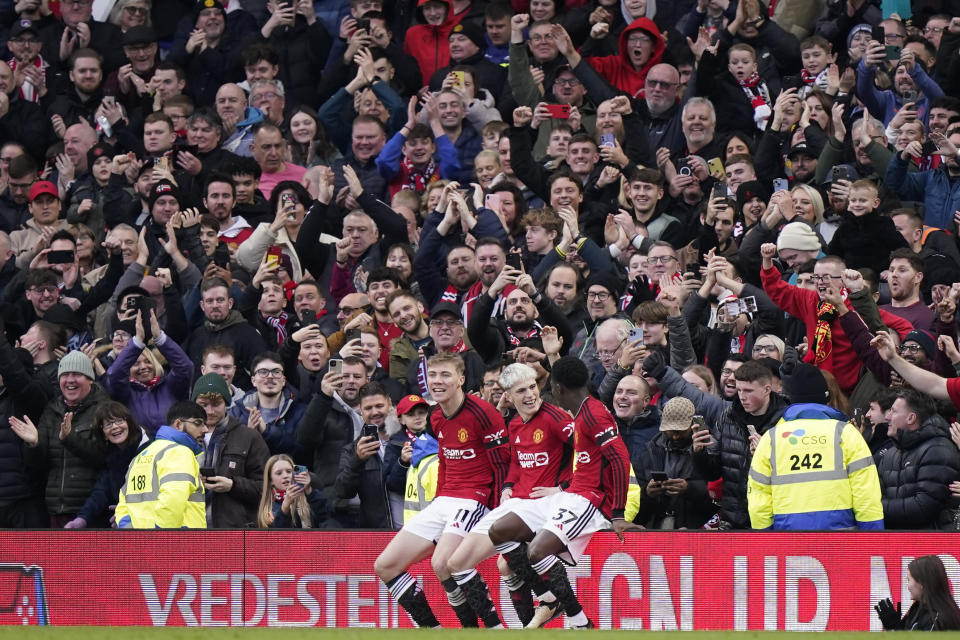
(658, 476)
(370, 431)
(838, 173)
(780, 184)
(459, 79)
(698, 423)
(893, 52)
(514, 260)
(791, 82)
(636, 335)
(559, 111)
(221, 256)
(363, 24)
(715, 165)
(64, 256)
(160, 162)
(733, 309)
(720, 190)
(336, 365)
(352, 334)
(910, 95)
(180, 148)
(929, 148)
(878, 34)
(492, 201)
(608, 140)
(752, 430)
(286, 200)
(683, 167)
(749, 304)
(208, 472)
(273, 256)
(297, 470)
(307, 318)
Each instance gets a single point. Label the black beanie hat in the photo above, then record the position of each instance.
(806, 384)
(163, 188)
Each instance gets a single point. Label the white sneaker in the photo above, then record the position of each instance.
(544, 613)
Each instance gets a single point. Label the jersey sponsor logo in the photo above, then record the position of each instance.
(569, 428)
(800, 436)
(499, 436)
(583, 457)
(459, 454)
(533, 459)
(463, 435)
(538, 436)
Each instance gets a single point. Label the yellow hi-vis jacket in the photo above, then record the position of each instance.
(814, 474)
(162, 489)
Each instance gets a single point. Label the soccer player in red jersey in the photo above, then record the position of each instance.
(472, 467)
(541, 453)
(597, 494)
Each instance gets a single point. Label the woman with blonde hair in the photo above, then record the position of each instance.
(808, 204)
(288, 500)
(127, 14)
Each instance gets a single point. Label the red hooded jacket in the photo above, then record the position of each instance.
(618, 70)
(429, 44)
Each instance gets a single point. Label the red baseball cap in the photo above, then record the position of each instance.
(42, 187)
(408, 403)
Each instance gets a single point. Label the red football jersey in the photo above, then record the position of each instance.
(541, 450)
(602, 468)
(472, 454)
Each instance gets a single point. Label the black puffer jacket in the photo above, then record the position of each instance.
(364, 479)
(303, 52)
(73, 464)
(915, 476)
(23, 393)
(324, 430)
(730, 457)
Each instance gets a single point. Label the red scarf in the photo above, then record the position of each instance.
(759, 96)
(823, 336)
(515, 339)
(27, 91)
(452, 295)
(806, 77)
(279, 324)
(418, 179)
(149, 384)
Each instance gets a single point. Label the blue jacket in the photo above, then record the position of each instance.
(933, 187)
(280, 434)
(336, 114)
(388, 160)
(241, 142)
(468, 145)
(149, 405)
(886, 103)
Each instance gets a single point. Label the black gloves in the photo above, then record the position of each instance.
(790, 360)
(888, 614)
(655, 365)
(641, 291)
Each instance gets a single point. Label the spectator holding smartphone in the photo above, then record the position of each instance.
(288, 501)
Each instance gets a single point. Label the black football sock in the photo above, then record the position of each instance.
(555, 575)
(478, 595)
(520, 597)
(457, 600)
(411, 597)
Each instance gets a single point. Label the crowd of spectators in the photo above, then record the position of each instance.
(281, 209)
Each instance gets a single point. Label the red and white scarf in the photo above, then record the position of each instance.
(279, 323)
(759, 96)
(418, 179)
(27, 91)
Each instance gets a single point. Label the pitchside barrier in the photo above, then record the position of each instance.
(655, 580)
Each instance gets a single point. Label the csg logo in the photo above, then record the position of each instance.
(800, 436)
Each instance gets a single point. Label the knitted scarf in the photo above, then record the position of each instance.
(149, 384)
(279, 323)
(452, 295)
(822, 336)
(27, 91)
(516, 338)
(759, 96)
(418, 179)
(460, 347)
(806, 77)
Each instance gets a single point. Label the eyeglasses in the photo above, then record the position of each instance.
(910, 348)
(539, 38)
(933, 30)
(197, 422)
(269, 373)
(609, 354)
(44, 290)
(136, 10)
(727, 372)
(348, 310)
(120, 335)
(765, 348)
(270, 95)
(449, 322)
(567, 82)
(660, 259)
(663, 84)
(24, 41)
(113, 423)
(638, 38)
(892, 37)
(816, 278)
(599, 296)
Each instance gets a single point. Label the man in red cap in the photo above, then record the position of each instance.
(43, 223)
